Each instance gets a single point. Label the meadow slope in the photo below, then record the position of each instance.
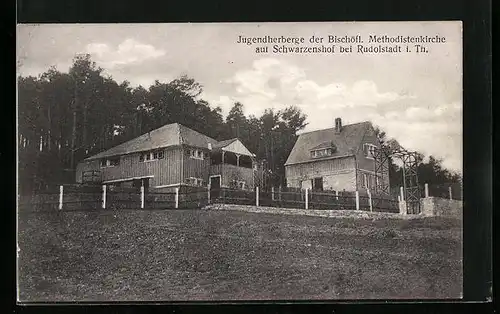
(233, 255)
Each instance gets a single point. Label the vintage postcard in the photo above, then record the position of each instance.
(239, 161)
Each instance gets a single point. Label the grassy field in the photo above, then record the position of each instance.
(233, 255)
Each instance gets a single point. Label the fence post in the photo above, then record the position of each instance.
(257, 196)
(176, 197)
(337, 195)
(272, 193)
(357, 200)
(208, 192)
(426, 187)
(370, 200)
(401, 191)
(104, 196)
(142, 196)
(449, 191)
(307, 198)
(61, 193)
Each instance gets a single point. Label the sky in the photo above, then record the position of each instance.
(415, 97)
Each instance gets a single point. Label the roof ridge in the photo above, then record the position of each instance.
(188, 129)
(333, 128)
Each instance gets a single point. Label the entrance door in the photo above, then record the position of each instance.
(214, 187)
(318, 184)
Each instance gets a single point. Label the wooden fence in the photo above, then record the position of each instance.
(116, 198)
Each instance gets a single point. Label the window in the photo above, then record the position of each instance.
(194, 181)
(110, 162)
(321, 153)
(238, 184)
(369, 150)
(196, 154)
(152, 155)
(114, 162)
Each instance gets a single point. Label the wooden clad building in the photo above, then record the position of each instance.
(338, 158)
(169, 157)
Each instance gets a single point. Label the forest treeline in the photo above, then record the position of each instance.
(66, 117)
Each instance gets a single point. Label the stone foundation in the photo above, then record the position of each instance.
(311, 212)
(436, 206)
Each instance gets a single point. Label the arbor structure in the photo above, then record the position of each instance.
(410, 161)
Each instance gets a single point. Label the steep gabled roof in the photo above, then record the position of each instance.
(233, 145)
(347, 142)
(165, 136)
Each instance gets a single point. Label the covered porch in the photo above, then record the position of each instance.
(232, 166)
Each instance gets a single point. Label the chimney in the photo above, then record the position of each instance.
(338, 125)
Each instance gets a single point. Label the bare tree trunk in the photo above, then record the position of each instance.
(105, 136)
(84, 135)
(73, 135)
(50, 126)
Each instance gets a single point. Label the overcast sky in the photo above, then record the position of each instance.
(415, 98)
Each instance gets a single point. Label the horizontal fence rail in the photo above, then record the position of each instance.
(318, 200)
(92, 197)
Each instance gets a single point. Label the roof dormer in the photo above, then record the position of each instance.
(323, 150)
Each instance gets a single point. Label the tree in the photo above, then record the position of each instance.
(237, 122)
(278, 135)
(66, 117)
(187, 85)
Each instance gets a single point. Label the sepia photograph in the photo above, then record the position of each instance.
(239, 161)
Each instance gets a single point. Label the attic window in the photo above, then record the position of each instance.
(197, 154)
(152, 155)
(158, 155)
(110, 162)
(369, 150)
(324, 152)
